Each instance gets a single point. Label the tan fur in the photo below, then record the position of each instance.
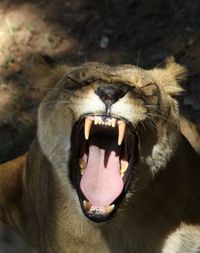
(191, 132)
(161, 211)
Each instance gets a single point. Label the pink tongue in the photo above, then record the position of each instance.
(101, 182)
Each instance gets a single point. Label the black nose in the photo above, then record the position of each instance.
(110, 94)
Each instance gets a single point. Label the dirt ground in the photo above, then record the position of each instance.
(138, 32)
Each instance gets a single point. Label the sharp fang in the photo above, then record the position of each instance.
(124, 166)
(121, 131)
(87, 205)
(88, 124)
(110, 208)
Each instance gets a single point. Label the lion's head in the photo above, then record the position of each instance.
(102, 126)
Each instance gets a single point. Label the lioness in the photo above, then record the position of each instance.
(109, 170)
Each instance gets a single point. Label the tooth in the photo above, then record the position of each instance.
(87, 205)
(99, 120)
(113, 122)
(110, 208)
(121, 131)
(96, 120)
(88, 124)
(82, 165)
(124, 166)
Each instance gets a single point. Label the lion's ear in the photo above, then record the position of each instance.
(43, 63)
(46, 71)
(11, 176)
(170, 76)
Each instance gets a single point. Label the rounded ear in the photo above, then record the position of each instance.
(170, 76)
(41, 60)
(42, 65)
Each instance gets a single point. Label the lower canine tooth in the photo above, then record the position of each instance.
(87, 205)
(124, 166)
(110, 208)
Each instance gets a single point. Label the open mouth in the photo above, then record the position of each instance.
(105, 151)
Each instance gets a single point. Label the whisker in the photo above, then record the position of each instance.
(151, 126)
(154, 107)
(157, 115)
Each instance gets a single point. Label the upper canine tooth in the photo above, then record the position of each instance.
(121, 131)
(88, 124)
(110, 208)
(87, 205)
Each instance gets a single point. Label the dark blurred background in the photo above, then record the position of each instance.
(139, 32)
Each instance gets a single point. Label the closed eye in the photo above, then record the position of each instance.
(74, 84)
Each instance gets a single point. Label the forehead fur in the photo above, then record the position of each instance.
(48, 72)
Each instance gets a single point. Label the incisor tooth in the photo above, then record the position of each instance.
(88, 124)
(87, 205)
(114, 122)
(110, 208)
(124, 166)
(95, 120)
(121, 131)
